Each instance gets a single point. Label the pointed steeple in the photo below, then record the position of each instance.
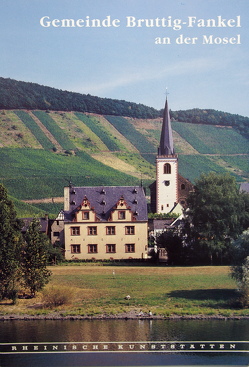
(166, 141)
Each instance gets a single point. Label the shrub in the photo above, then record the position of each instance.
(54, 296)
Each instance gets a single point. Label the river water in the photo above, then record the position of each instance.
(124, 343)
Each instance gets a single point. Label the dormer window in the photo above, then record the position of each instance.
(121, 214)
(103, 192)
(135, 201)
(73, 202)
(73, 192)
(85, 215)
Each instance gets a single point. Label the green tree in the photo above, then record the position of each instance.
(35, 258)
(217, 213)
(10, 245)
(176, 251)
(240, 267)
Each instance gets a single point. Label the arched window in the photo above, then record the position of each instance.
(167, 168)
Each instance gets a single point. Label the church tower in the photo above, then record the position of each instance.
(166, 168)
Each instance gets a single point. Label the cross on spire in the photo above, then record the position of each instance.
(166, 93)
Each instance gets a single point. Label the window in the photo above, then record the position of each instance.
(75, 231)
(92, 231)
(130, 230)
(130, 247)
(121, 214)
(111, 248)
(167, 168)
(75, 249)
(56, 234)
(85, 215)
(110, 230)
(92, 249)
(183, 187)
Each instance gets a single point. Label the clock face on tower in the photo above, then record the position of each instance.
(167, 183)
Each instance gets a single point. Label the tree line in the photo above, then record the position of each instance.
(213, 117)
(23, 95)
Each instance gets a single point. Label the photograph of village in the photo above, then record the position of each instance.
(124, 228)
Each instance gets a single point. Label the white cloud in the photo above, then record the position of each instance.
(131, 77)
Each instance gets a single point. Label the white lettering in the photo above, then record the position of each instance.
(219, 40)
(162, 41)
(72, 23)
(186, 40)
(44, 22)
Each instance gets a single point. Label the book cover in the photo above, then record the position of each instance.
(195, 53)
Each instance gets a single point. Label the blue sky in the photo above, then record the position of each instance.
(124, 62)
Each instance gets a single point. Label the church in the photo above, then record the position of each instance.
(111, 222)
(170, 190)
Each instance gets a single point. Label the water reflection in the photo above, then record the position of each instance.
(122, 330)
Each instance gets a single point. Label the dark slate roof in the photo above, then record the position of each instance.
(104, 198)
(166, 146)
(27, 221)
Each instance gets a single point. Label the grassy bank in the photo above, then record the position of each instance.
(167, 291)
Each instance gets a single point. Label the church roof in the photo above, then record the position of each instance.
(166, 146)
(104, 199)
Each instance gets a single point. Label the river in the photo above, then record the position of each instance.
(124, 343)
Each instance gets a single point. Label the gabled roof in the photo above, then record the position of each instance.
(166, 146)
(103, 200)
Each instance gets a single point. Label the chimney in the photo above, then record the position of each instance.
(66, 198)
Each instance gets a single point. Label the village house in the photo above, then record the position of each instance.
(105, 222)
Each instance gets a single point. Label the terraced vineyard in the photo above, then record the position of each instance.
(41, 151)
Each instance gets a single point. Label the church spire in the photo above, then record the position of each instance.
(166, 146)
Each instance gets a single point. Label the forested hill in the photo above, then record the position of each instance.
(22, 95)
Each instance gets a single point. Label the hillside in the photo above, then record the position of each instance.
(41, 151)
(49, 137)
(32, 96)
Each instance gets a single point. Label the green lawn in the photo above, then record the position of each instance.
(164, 290)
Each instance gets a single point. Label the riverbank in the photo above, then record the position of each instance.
(126, 316)
(206, 292)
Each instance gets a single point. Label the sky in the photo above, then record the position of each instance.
(127, 61)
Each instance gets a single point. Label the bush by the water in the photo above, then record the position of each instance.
(53, 296)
